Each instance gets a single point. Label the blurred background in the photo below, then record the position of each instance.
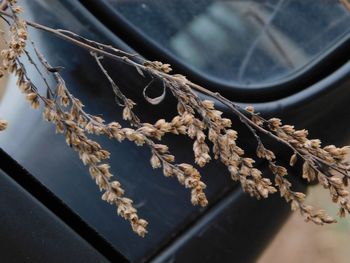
(303, 242)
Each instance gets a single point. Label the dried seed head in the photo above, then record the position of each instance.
(167, 170)
(208, 104)
(155, 162)
(293, 159)
(33, 99)
(308, 172)
(3, 125)
(127, 114)
(250, 109)
(275, 123)
(25, 87)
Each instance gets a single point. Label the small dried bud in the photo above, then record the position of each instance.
(262, 152)
(64, 101)
(289, 129)
(161, 148)
(33, 100)
(275, 123)
(180, 108)
(208, 104)
(17, 9)
(167, 170)
(25, 87)
(301, 134)
(166, 68)
(308, 172)
(231, 134)
(127, 113)
(250, 109)
(155, 162)
(3, 125)
(293, 159)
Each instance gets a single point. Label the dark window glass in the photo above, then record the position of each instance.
(241, 42)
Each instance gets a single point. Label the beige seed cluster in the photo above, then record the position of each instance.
(157, 65)
(328, 165)
(223, 138)
(3, 125)
(17, 42)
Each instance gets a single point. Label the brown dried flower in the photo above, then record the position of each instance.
(3, 125)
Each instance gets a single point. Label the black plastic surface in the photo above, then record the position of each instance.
(31, 233)
(236, 230)
(72, 220)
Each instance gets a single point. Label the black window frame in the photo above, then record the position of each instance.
(319, 68)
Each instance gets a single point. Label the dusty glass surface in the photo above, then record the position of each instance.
(242, 42)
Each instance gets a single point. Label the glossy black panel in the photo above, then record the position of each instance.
(72, 220)
(236, 230)
(31, 233)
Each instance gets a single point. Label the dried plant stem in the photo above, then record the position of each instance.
(197, 119)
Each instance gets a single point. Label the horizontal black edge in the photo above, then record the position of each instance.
(56, 206)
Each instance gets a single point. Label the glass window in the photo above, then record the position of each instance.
(241, 42)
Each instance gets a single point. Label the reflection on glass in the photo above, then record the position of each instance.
(245, 42)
